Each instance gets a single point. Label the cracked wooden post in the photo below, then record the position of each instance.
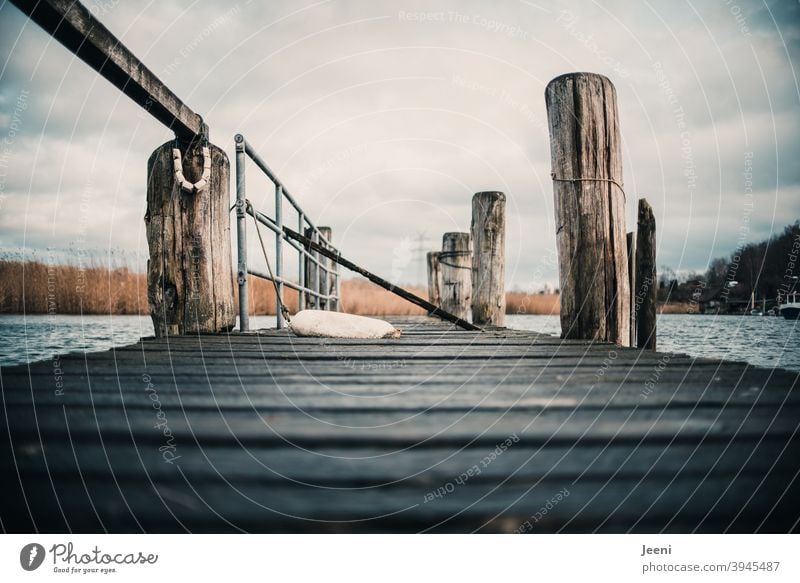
(312, 281)
(190, 270)
(589, 208)
(325, 278)
(488, 258)
(434, 278)
(630, 241)
(456, 263)
(645, 290)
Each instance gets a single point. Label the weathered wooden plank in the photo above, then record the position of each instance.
(744, 504)
(73, 25)
(373, 467)
(402, 429)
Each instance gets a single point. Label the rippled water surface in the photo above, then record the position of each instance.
(760, 340)
(763, 341)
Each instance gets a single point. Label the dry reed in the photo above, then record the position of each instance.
(37, 287)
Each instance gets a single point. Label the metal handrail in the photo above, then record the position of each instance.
(326, 277)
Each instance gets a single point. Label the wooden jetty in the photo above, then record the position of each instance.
(441, 430)
(445, 429)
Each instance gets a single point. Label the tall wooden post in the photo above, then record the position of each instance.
(325, 281)
(488, 231)
(434, 279)
(631, 246)
(456, 264)
(312, 272)
(190, 271)
(645, 290)
(589, 207)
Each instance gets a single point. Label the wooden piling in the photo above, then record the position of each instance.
(312, 281)
(589, 207)
(631, 246)
(644, 297)
(456, 265)
(325, 282)
(434, 279)
(189, 272)
(488, 232)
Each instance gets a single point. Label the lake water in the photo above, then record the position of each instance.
(763, 341)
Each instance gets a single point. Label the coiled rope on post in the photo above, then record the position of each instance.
(186, 186)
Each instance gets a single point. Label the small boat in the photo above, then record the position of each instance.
(790, 310)
(756, 313)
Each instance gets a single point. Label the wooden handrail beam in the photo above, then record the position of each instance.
(71, 23)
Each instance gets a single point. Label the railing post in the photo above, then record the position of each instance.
(301, 269)
(279, 254)
(434, 279)
(590, 208)
(456, 262)
(241, 235)
(488, 258)
(645, 294)
(189, 283)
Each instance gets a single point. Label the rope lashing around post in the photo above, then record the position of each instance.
(278, 302)
(192, 187)
(447, 254)
(611, 180)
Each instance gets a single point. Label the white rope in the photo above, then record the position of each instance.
(186, 186)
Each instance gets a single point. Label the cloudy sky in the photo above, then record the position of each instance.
(383, 118)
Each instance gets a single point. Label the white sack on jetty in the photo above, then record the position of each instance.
(324, 324)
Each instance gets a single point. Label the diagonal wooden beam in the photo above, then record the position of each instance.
(71, 23)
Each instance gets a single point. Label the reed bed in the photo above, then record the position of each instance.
(38, 287)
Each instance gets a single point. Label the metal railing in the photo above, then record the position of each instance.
(322, 291)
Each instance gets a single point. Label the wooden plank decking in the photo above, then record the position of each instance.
(273, 433)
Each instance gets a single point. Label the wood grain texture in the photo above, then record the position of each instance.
(630, 241)
(488, 230)
(644, 298)
(434, 278)
(266, 432)
(189, 271)
(456, 264)
(590, 213)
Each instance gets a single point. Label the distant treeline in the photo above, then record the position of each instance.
(767, 268)
(41, 287)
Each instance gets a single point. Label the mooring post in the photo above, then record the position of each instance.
(434, 278)
(325, 280)
(312, 272)
(456, 264)
(488, 231)
(630, 241)
(589, 207)
(645, 290)
(189, 272)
